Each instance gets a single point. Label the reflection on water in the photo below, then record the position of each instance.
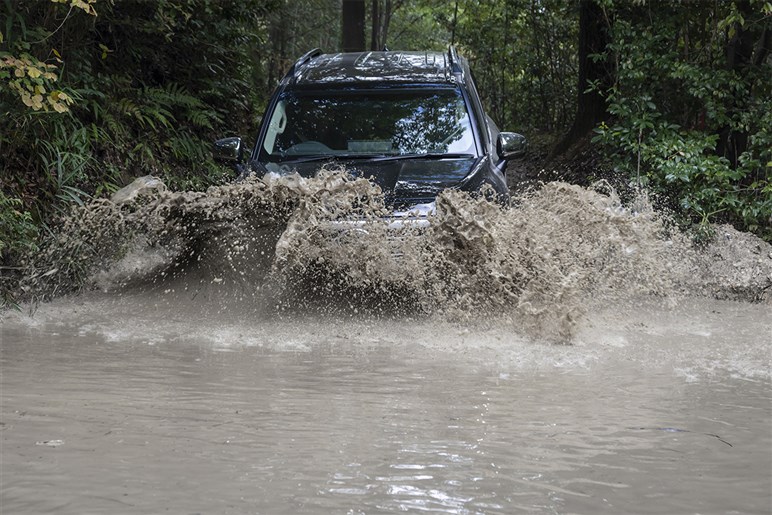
(649, 412)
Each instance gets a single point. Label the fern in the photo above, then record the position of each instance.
(185, 148)
(128, 107)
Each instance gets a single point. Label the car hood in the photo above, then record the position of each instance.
(406, 181)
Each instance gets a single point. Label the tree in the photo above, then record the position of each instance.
(353, 25)
(523, 55)
(140, 89)
(381, 14)
(690, 109)
(595, 74)
(747, 48)
(294, 28)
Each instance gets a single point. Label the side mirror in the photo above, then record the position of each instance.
(511, 145)
(229, 150)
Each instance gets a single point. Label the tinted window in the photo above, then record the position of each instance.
(368, 123)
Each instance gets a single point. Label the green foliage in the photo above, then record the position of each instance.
(523, 53)
(95, 92)
(17, 231)
(18, 238)
(686, 122)
(22, 75)
(33, 81)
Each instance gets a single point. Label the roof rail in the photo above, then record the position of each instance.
(303, 60)
(453, 61)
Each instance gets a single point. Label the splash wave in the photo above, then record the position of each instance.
(326, 243)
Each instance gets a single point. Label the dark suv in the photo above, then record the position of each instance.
(411, 121)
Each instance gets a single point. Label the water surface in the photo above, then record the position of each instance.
(117, 406)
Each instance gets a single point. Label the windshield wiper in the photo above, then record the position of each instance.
(375, 158)
(434, 155)
(332, 157)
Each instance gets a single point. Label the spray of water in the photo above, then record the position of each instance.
(326, 243)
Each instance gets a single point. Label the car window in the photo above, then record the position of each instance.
(494, 130)
(368, 122)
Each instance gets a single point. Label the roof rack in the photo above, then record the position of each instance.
(303, 60)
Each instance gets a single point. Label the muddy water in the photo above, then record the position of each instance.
(122, 404)
(244, 356)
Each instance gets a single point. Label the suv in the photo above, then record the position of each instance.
(410, 121)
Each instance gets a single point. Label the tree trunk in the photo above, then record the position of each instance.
(353, 25)
(591, 105)
(387, 12)
(382, 11)
(375, 37)
(278, 57)
(749, 47)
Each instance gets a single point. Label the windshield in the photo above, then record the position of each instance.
(364, 123)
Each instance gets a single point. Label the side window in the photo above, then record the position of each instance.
(276, 126)
(479, 113)
(494, 130)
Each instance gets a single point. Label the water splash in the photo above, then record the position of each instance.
(290, 243)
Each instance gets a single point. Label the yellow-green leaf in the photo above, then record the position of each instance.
(53, 99)
(105, 50)
(26, 98)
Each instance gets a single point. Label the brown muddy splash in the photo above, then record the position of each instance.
(538, 264)
(324, 244)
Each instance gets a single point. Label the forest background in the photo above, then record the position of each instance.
(674, 97)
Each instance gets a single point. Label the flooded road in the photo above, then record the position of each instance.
(247, 355)
(112, 408)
